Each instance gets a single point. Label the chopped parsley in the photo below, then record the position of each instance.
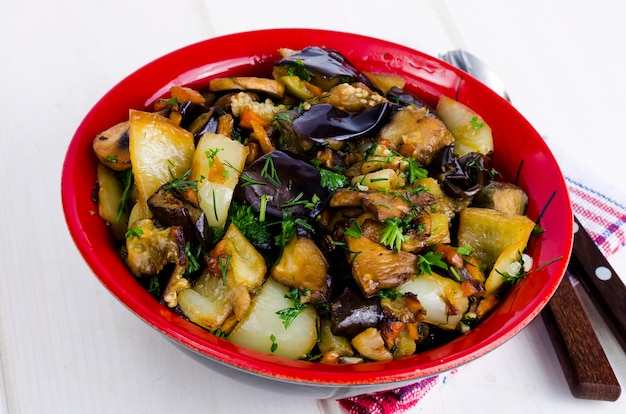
(245, 218)
(430, 259)
(298, 69)
(127, 179)
(390, 294)
(393, 234)
(298, 200)
(288, 315)
(354, 230)
(269, 172)
(274, 346)
(134, 232)
(475, 124)
(194, 253)
(330, 179)
(247, 180)
(182, 183)
(224, 266)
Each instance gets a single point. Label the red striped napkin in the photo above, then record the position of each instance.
(601, 209)
(398, 400)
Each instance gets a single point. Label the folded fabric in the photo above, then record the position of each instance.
(397, 400)
(600, 208)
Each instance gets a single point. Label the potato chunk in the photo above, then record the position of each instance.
(489, 232)
(217, 164)
(303, 266)
(262, 328)
(471, 133)
(206, 304)
(159, 150)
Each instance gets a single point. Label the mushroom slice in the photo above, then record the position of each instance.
(111, 147)
(150, 249)
(268, 86)
(375, 267)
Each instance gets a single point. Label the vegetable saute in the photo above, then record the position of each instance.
(323, 214)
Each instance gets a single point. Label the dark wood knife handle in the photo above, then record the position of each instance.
(605, 287)
(587, 370)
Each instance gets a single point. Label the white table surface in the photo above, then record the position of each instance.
(67, 346)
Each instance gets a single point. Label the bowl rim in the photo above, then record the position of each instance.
(440, 78)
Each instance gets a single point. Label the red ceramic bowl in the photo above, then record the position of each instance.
(516, 143)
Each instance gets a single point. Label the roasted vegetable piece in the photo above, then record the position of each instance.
(151, 248)
(263, 330)
(283, 181)
(351, 97)
(242, 267)
(160, 151)
(384, 81)
(462, 177)
(502, 196)
(111, 147)
(400, 97)
(268, 86)
(489, 232)
(416, 133)
(321, 66)
(299, 88)
(190, 112)
(302, 265)
(440, 297)
(381, 180)
(352, 312)
(217, 163)
(208, 122)
(325, 123)
(375, 267)
(171, 209)
(471, 133)
(110, 193)
(371, 345)
(206, 304)
(510, 265)
(329, 343)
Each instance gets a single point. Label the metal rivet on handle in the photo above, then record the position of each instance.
(603, 273)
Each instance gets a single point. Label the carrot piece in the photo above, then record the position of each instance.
(261, 136)
(183, 94)
(225, 125)
(216, 172)
(248, 116)
(450, 255)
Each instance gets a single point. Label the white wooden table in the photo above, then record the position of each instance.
(67, 346)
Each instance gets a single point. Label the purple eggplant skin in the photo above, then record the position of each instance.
(352, 313)
(402, 98)
(189, 112)
(287, 182)
(322, 67)
(211, 123)
(171, 209)
(462, 177)
(323, 123)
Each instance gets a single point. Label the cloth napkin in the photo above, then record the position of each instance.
(600, 208)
